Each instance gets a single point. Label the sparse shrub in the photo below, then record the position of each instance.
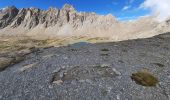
(104, 92)
(144, 78)
(104, 54)
(159, 64)
(7, 61)
(105, 49)
(124, 50)
(102, 66)
(120, 61)
(98, 66)
(73, 49)
(4, 62)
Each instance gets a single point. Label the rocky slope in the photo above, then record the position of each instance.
(84, 71)
(68, 22)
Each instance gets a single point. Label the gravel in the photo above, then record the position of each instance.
(85, 71)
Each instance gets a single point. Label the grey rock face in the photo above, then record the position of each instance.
(7, 16)
(31, 17)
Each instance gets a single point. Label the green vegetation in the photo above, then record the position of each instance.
(102, 66)
(104, 92)
(159, 64)
(104, 54)
(13, 50)
(73, 49)
(5, 61)
(105, 49)
(144, 78)
(125, 50)
(120, 61)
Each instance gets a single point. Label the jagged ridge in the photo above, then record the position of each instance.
(31, 17)
(67, 21)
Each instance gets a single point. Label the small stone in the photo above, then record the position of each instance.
(65, 58)
(88, 81)
(109, 89)
(116, 72)
(50, 86)
(73, 82)
(82, 81)
(118, 97)
(105, 65)
(168, 76)
(58, 82)
(56, 70)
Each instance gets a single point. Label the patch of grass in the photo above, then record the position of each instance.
(3, 46)
(159, 64)
(18, 59)
(105, 49)
(102, 66)
(73, 49)
(166, 48)
(160, 37)
(14, 49)
(97, 66)
(124, 50)
(104, 92)
(7, 61)
(94, 39)
(104, 54)
(120, 61)
(156, 45)
(144, 78)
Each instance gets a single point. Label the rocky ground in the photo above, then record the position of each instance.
(85, 71)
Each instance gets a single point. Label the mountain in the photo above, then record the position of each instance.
(68, 22)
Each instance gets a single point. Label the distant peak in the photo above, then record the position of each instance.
(68, 7)
(10, 7)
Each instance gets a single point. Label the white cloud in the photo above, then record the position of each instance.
(126, 8)
(161, 8)
(128, 5)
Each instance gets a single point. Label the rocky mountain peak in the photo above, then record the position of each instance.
(57, 21)
(7, 15)
(9, 9)
(32, 17)
(68, 7)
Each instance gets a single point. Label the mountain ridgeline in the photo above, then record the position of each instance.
(69, 22)
(31, 17)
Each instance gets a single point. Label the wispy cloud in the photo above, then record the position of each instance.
(158, 7)
(126, 8)
(128, 5)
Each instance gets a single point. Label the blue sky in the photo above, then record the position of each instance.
(123, 9)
